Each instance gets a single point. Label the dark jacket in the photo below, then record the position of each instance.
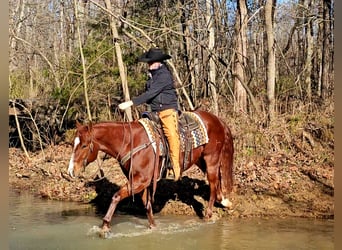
(160, 92)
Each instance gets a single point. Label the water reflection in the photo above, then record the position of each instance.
(42, 224)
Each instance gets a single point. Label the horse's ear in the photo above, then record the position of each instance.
(90, 125)
(78, 124)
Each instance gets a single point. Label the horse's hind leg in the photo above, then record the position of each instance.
(221, 189)
(225, 182)
(146, 198)
(212, 175)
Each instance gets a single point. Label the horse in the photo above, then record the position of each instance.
(128, 142)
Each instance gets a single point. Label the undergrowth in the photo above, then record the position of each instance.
(307, 133)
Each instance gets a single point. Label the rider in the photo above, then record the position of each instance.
(161, 95)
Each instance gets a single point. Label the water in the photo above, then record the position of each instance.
(42, 224)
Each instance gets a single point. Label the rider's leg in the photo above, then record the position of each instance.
(169, 120)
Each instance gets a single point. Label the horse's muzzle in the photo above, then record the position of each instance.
(71, 173)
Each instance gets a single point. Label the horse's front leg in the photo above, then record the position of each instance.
(146, 198)
(117, 197)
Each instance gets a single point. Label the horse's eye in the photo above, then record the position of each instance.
(84, 146)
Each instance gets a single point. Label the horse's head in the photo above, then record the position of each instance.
(84, 151)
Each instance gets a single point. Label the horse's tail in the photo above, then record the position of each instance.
(226, 167)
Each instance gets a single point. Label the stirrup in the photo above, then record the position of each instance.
(170, 174)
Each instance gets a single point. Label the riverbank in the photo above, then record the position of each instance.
(271, 187)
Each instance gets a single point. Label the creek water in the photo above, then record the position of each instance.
(44, 224)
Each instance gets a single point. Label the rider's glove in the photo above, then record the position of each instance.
(125, 105)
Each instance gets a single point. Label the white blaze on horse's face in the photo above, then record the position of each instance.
(71, 162)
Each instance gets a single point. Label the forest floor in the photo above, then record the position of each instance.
(274, 186)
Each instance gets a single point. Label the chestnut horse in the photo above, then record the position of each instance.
(121, 139)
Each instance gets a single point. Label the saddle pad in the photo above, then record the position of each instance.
(199, 136)
(151, 133)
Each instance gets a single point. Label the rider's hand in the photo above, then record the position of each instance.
(125, 105)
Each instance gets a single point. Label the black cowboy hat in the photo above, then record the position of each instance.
(154, 55)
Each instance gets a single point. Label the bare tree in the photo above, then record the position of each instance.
(119, 59)
(327, 47)
(240, 57)
(309, 47)
(211, 50)
(16, 24)
(84, 67)
(270, 70)
(187, 48)
(217, 51)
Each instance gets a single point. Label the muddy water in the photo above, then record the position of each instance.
(41, 224)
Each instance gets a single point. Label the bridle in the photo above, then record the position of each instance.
(90, 150)
(85, 162)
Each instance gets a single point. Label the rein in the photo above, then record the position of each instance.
(131, 162)
(99, 170)
(129, 156)
(91, 178)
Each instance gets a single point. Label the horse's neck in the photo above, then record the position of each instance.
(111, 137)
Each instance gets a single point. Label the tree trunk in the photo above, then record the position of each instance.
(84, 68)
(82, 16)
(187, 50)
(326, 52)
(119, 59)
(309, 50)
(270, 70)
(211, 48)
(240, 58)
(17, 29)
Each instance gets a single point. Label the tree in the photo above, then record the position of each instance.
(240, 57)
(119, 59)
(211, 52)
(221, 50)
(81, 41)
(327, 53)
(270, 68)
(309, 49)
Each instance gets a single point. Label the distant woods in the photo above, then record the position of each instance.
(256, 58)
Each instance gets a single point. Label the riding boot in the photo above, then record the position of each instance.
(169, 120)
(176, 172)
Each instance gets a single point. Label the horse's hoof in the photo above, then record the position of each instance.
(208, 214)
(104, 232)
(227, 203)
(170, 177)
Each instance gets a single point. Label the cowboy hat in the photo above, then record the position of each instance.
(153, 55)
